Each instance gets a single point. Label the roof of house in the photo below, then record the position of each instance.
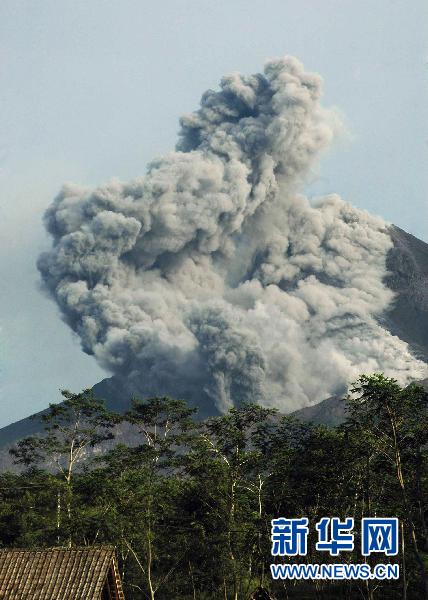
(59, 574)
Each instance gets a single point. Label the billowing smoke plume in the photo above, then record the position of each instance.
(211, 278)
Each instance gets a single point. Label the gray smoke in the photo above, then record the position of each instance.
(212, 278)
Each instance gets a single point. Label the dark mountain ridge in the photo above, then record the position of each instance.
(407, 264)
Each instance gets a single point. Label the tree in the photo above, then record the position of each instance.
(228, 460)
(394, 421)
(71, 429)
(166, 426)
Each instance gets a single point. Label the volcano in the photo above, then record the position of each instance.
(215, 279)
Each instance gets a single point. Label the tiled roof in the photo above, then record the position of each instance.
(57, 573)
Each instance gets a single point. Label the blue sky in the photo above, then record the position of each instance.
(93, 90)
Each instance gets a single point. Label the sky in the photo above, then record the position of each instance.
(91, 91)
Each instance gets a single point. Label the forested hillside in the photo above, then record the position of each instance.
(189, 507)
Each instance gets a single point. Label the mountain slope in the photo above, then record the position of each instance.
(329, 412)
(407, 263)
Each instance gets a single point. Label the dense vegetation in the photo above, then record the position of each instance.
(189, 507)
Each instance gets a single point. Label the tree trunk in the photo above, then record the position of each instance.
(403, 562)
(401, 481)
(230, 528)
(58, 515)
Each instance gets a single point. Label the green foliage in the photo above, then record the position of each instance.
(189, 505)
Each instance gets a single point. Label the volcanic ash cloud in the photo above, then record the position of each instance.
(211, 278)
